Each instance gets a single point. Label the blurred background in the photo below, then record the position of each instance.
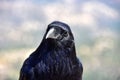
(95, 25)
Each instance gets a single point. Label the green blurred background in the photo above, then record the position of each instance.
(95, 25)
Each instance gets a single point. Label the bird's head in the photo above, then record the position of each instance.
(59, 33)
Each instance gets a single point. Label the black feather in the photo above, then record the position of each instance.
(54, 59)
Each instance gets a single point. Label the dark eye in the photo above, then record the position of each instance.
(65, 34)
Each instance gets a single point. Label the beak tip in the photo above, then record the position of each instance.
(50, 33)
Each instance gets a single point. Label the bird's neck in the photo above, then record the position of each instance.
(50, 45)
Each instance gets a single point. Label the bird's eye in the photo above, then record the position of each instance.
(65, 34)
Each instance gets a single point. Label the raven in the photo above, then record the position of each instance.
(55, 58)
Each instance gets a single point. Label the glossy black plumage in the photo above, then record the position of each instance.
(55, 58)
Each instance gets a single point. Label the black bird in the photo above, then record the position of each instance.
(55, 58)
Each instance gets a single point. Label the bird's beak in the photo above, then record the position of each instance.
(52, 34)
